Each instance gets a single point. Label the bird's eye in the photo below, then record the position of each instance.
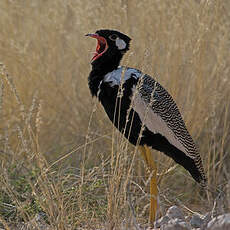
(113, 37)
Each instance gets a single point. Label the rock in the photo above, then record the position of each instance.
(207, 218)
(161, 221)
(175, 212)
(176, 224)
(221, 222)
(196, 221)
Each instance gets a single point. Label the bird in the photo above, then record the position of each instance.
(147, 114)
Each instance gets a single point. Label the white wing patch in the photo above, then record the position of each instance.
(153, 121)
(114, 77)
(120, 44)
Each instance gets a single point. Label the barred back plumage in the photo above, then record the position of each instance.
(161, 103)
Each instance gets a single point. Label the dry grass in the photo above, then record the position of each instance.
(60, 154)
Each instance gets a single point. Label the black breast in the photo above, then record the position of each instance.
(116, 103)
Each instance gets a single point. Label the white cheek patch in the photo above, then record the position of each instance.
(120, 44)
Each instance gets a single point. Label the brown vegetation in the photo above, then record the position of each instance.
(59, 152)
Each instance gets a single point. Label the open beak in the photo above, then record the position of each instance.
(92, 35)
(102, 45)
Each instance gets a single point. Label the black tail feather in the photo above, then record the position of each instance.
(160, 143)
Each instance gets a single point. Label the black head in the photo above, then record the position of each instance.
(111, 46)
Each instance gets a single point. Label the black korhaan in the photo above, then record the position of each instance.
(147, 114)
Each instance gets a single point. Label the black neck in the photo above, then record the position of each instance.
(106, 64)
(100, 67)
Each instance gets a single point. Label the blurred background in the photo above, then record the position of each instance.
(56, 141)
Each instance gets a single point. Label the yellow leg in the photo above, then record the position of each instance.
(153, 182)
